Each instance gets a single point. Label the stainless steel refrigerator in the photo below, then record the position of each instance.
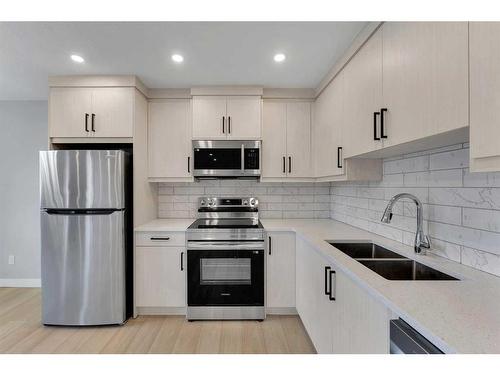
(84, 240)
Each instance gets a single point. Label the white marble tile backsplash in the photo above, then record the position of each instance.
(461, 209)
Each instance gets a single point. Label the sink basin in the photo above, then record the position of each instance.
(404, 269)
(387, 263)
(365, 250)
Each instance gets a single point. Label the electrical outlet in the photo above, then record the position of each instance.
(12, 259)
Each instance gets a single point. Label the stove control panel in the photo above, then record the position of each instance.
(221, 203)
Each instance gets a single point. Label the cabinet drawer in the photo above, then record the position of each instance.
(160, 239)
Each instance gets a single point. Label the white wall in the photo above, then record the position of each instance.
(461, 209)
(23, 129)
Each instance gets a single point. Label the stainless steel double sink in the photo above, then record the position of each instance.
(387, 263)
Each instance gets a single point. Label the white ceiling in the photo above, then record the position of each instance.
(215, 53)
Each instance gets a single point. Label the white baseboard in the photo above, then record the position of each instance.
(20, 283)
(151, 310)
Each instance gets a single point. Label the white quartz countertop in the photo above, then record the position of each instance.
(165, 225)
(457, 316)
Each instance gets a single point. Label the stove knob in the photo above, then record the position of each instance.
(245, 202)
(202, 202)
(210, 202)
(253, 201)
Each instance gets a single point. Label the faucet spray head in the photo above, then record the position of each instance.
(387, 216)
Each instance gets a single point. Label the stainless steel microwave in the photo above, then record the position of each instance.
(226, 159)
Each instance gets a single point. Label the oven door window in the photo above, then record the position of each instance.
(217, 158)
(227, 271)
(225, 277)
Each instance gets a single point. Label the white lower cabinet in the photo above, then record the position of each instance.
(160, 280)
(280, 272)
(338, 315)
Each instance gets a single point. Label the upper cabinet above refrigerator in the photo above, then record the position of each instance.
(227, 117)
(82, 112)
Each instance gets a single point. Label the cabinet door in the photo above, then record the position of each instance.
(169, 138)
(281, 270)
(361, 324)
(209, 117)
(315, 309)
(160, 282)
(113, 108)
(327, 130)
(298, 139)
(274, 139)
(484, 96)
(363, 97)
(68, 107)
(425, 79)
(244, 117)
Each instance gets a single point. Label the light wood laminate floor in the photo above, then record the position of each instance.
(22, 332)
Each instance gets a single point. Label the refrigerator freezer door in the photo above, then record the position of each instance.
(83, 268)
(82, 179)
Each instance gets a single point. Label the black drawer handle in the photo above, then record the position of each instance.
(87, 122)
(327, 292)
(93, 117)
(159, 238)
(270, 245)
(375, 114)
(182, 260)
(289, 164)
(332, 286)
(189, 164)
(229, 124)
(339, 157)
(382, 111)
(284, 164)
(223, 123)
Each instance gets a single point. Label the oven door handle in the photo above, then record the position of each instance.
(222, 245)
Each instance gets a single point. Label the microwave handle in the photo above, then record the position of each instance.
(242, 158)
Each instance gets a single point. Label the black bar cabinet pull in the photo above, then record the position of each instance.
(182, 260)
(87, 122)
(270, 245)
(223, 123)
(289, 164)
(382, 111)
(229, 124)
(284, 164)
(327, 292)
(332, 287)
(189, 164)
(160, 238)
(339, 157)
(375, 138)
(93, 117)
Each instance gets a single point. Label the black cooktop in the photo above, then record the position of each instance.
(226, 224)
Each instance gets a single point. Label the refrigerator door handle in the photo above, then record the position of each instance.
(56, 211)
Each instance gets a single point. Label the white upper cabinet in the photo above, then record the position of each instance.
(169, 139)
(286, 143)
(274, 139)
(69, 112)
(104, 112)
(244, 117)
(363, 98)
(209, 117)
(298, 139)
(484, 96)
(328, 129)
(425, 79)
(227, 117)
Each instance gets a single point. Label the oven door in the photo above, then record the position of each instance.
(225, 277)
(226, 159)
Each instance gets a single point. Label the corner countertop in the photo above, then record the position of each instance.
(457, 316)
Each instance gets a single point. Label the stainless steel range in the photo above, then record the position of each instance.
(225, 260)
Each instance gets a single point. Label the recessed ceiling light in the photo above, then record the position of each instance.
(177, 58)
(279, 57)
(77, 59)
